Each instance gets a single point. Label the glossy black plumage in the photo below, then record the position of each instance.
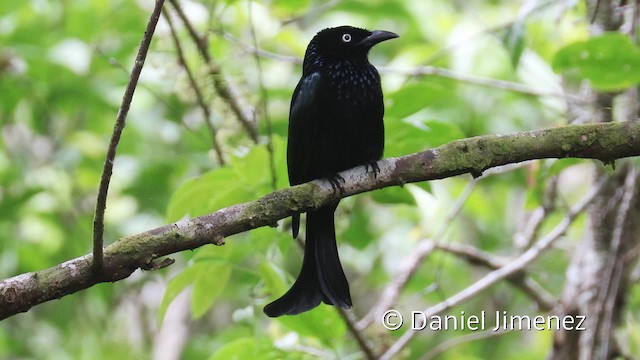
(335, 123)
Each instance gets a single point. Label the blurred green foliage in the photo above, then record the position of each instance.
(610, 61)
(63, 69)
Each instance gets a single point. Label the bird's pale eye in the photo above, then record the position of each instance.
(346, 38)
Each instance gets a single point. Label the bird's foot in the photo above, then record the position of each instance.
(335, 182)
(374, 168)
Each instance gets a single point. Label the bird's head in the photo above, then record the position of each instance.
(345, 42)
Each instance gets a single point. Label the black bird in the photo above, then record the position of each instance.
(335, 123)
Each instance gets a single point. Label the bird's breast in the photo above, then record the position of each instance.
(354, 85)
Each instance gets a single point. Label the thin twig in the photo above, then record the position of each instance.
(223, 88)
(525, 238)
(461, 201)
(415, 71)
(523, 13)
(461, 340)
(411, 263)
(196, 89)
(254, 50)
(116, 64)
(160, 98)
(475, 256)
(101, 202)
(313, 11)
(502, 273)
(264, 100)
(631, 255)
(391, 292)
(469, 79)
(612, 273)
(351, 326)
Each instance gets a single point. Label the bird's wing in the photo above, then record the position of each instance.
(303, 127)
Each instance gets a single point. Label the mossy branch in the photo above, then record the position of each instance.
(604, 141)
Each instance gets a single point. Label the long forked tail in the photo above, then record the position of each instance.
(321, 277)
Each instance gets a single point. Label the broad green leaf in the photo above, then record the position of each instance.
(247, 348)
(411, 98)
(200, 195)
(288, 7)
(610, 61)
(357, 233)
(272, 277)
(404, 137)
(440, 132)
(240, 349)
(322, 322)
(212, 252)
(393, 195)
(556, 166)
(246, 178)
(513, 38)
(176, 285)
(385, 9)
(211, 279)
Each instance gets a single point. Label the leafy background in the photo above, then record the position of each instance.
(459, 69)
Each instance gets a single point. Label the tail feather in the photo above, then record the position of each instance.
(305, 293)
(295, 225)
(333, 283)
(321, 277)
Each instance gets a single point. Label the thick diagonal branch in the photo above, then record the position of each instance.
(605, 142)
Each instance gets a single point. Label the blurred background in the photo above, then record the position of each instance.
(208, 128)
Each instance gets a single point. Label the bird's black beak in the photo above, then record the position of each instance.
(377, 36)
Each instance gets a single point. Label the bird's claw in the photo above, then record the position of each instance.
(335, 181)
(374, 168)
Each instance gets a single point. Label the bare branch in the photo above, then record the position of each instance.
(406, 270)
(469, 79)
(224, 89)
(475, 256)
(443, 347)
(101, 203)
(264, 101)
(613, 271)
(364, 345)
(525, 238)
(606, 141)
(501, 273)
(411, 263)
(419, 71)
(196, 89)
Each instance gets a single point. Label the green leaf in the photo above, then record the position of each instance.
(246, 178)
(414, 97)
(513, 38)
(211, 279)
(246, 348)
(405, 137)
(272, 277)
(440, 132)
(200, 195)
(322, 322)
(176, 285)
(209, 274)
(242, 348)
(610, 61)
(357, 233)
(286, 8)
(393, 195)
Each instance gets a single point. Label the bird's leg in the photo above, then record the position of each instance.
(335, 181)
(374, 168)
